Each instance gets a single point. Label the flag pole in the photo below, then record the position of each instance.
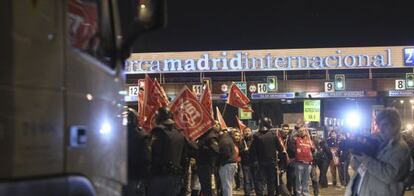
(224, 110)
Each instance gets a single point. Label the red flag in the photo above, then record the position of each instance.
(141, 107)
(242, 126)
(238, 99)
(163, 95)
(190, 115)
(154, 98)
(206, 101)
(221, 119)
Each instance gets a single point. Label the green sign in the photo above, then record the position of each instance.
(242, 86)
(245, 115)
(312, 110)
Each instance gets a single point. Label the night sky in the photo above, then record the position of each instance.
(195, 25)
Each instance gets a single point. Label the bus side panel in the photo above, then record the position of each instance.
(39, 133)
(6, 96)
(93, 102)
(36, 110)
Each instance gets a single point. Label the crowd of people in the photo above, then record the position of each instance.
(258, 162)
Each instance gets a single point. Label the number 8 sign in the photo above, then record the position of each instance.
(399, 84)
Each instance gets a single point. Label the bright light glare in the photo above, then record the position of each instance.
(125, 120)
(353, 119)
(401, 101)
(142, 6)
(339, 85)
(411, 101)
(105, 128)
(122, 92)
(272, 86)
(89, 97)
(410, 83)
(409, 126)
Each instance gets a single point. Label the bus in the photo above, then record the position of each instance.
(61, 114)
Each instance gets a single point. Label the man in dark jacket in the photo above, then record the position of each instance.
(246, 161)
(291, 150)
(169, 155)
(263, 149)
(323, 159)
(139, 156)
(207, 158)
(344, 159)
(227, 162)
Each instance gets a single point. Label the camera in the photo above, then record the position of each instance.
(361, 144)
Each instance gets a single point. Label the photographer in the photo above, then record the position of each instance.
(382, 173)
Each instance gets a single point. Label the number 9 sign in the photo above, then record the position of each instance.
(329, 87)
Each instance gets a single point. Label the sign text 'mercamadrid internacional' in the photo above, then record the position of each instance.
(266, 60)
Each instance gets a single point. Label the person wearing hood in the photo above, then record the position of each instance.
(383, 173)
(207, 157)
(169, 156)
(263, 150)
(139, 156)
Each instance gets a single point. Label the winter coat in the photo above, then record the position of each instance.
(385, 173)
(208, 149)
(226, 149)
(264, 147)
(304, 148)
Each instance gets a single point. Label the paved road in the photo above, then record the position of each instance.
(330, 191)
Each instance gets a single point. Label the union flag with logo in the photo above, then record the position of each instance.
(238, 99)
(154, 98)
(190, 115)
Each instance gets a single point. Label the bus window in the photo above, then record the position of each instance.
(84, 28)
(101, 28)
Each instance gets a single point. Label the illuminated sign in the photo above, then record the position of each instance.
(221, 97)
(270, 60)
(245, 115)
(312, 110)
(288, 95)
(242, 86)
(130, 98)
(335, 94)
(408, 56)
(399, 93)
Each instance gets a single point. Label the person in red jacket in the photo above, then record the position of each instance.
(303, 161)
